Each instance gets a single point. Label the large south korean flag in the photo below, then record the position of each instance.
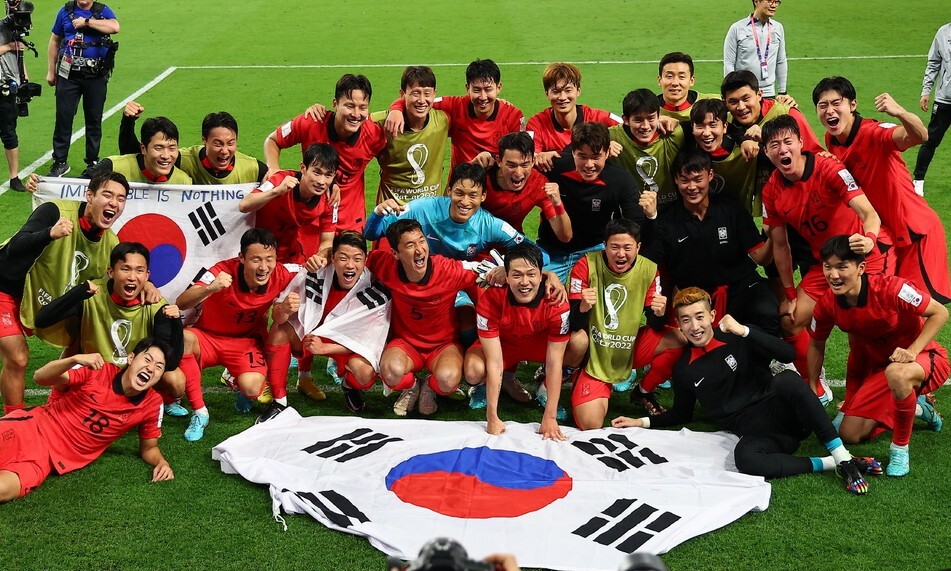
(186, 228)
(576, 505)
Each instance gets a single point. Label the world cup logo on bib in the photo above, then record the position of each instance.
(121, 333)
(615, 295)
(647, 168)
(417, 155)
(80, 263)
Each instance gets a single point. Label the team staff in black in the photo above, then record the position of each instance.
(11, 76)
(80, 56)
(727, 371)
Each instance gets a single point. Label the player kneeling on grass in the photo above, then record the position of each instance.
(727, 371)
(343, 314)
(893, 357)
(103, 403)
(608, 291)
(235, 296)
(517, 323)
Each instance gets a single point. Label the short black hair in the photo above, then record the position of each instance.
(737, 80)
(148, 342)
(101, 177)
(524, 251)
(322, 155)
(218, 119)
(418, 75)
(521, 142)
(595, 135)
(468, 171)
(836, 83)
(691, 160)
(396, 230)
(704, 107)
(675, 57)
(622, 226)
(261, 236)
(778, 125)
(640, 101)
(348, 83)
(155, 125)
(123, 249)
(838, 246)
(349, 238)
(483, 69)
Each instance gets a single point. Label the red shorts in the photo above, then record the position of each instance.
(588, 388)
(871, 398)
(925, 264)
(23, 451)
(534, 353)
(10, 317)
(420, 359)
(239, 355)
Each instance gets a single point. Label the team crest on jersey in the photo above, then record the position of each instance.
(471, 251)
(731, 362)
(721, 234)
(846, 177)
(910, 295)
(596, 205)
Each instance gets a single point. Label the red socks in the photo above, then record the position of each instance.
(904, 417)
(189, 366)
(662, 366)
(800, 343)
(278, 359)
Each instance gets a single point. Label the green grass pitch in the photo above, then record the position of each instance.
(109, 516)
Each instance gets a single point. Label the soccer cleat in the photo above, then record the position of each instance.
(919, 187)
(58, 169)
(353, 398)
(513, 387)
(868, 465)
(272, 410)
(648, 401)
(406, 401)
(176, 410)
(196, 427)
(826, 397)
(929, 414)
(242, 403)
(306, 387)
(477, 398)
(295, 363)
(17, 184)
(898, 463)
(851, 472)
(228, 380)
(427, 399)
(457, 395)
(541, 394)
(265, 397)
(665, 385)
(332, 371)
(625, 385)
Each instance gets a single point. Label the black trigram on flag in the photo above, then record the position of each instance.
(627, 525)
(336, 508)
(618, 452)
(374, 296)
(206, 223)
(314, 288)
(360, 442)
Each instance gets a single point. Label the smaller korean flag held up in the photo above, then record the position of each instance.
(592, 499)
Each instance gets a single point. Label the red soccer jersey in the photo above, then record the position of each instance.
(888, 315)
(95, 412)
(522, 328)
(550, 136)
(513, 207)
(817, 206)
(871, 155)
(579, 280)
(424, 313)
(237, 311)
(296, 224)
(470, 134)
(355, 153)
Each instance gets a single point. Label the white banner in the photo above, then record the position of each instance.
(186, 228)
(582, 504)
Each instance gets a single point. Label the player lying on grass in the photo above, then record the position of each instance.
(726, 370)
(894, 360)
(517, 323)
(343, 314)
(103, 403)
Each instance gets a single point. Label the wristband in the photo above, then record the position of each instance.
(790, 293)
(746, 331)
(646, 420)
(559, 208)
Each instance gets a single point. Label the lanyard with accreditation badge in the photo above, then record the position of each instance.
(763, 65)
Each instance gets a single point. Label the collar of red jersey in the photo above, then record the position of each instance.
(332, 132)
(862, 301)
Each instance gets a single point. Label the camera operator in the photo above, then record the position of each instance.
(12, 76)
(81, 58)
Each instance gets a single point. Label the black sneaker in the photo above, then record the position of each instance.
(354, 399)
(58, 169)
(89, 170)
(17, 185)
(851, 472)
(272, 410)
(648, 401)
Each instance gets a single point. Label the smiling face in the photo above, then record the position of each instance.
(514, 170)
(144, 370)
(696, 323)
(763, 9)
(259, 263)
(694, 187)
(314, 180)
(160, 154)
(588, 163)
(419, 100)
(643, 126)
(220, 147)
(348, 262)
(675, 81)
(524, 280)
(745, 105)
(709, 134)
(836, 113)
(844, 276)
(621, 250)
(465, 198)
(785, 152)
(482, 94)
(350, 111)
(105, 205)
(129, 276)
(563, 96)
(412, 252)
